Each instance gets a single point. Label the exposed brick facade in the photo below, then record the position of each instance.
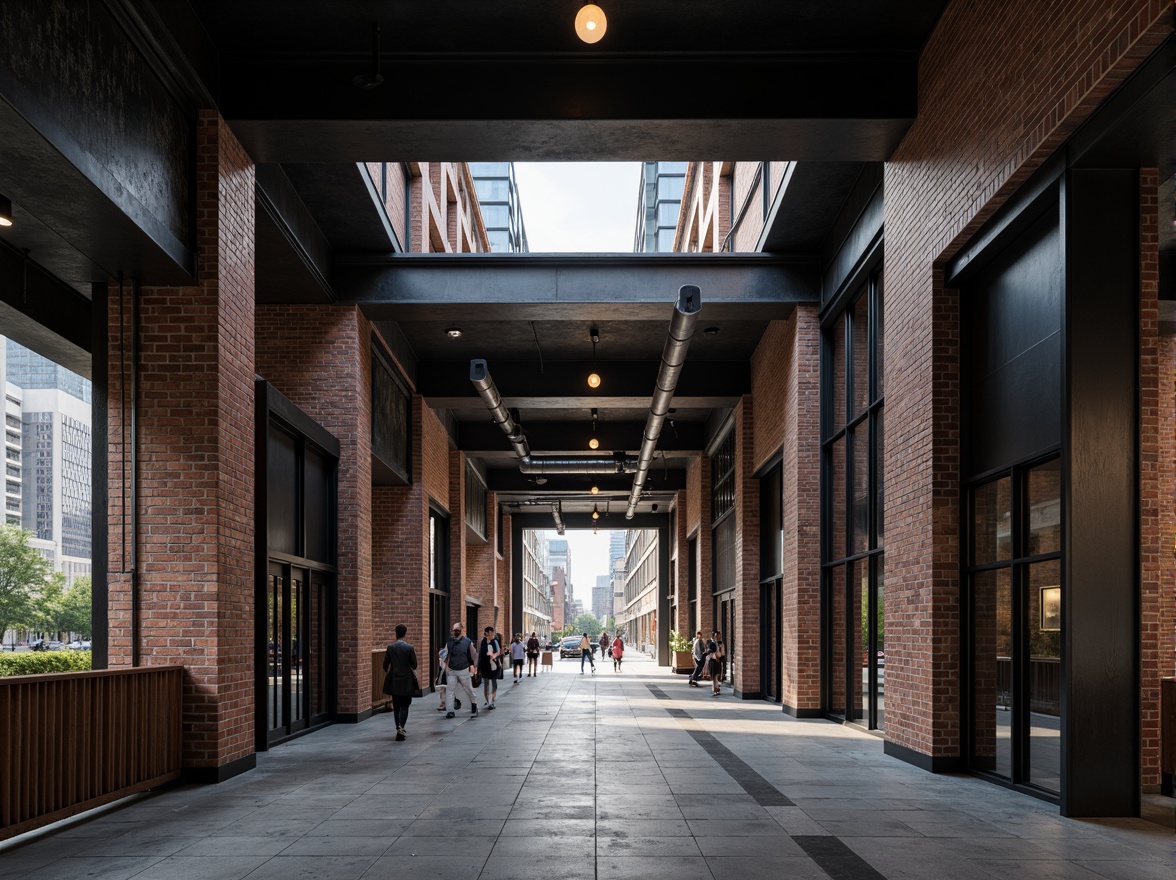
(698, 525)
(195, 449)
(745, 654)
(991, 111)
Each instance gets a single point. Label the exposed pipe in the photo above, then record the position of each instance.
(557, 515)
(673, 357)
(616, 463)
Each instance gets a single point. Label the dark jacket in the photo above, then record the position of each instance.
(399, 662)
(484, 650)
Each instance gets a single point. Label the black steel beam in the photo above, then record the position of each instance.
(502, 480)
(43, 313)
(703, 384)
(844, 106)
(537, 287)
(546, 437)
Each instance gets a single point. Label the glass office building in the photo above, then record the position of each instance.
(502, 210)
(659, 199)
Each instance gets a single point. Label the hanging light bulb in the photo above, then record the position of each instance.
(594, 377)
(595, 490)
(595, 512)
(591, 23)
(593, 443)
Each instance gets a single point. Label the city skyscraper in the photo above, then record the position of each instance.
(659, 199)
(502, 209)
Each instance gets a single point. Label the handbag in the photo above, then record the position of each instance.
(476, 680)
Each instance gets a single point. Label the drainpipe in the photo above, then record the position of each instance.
(541, 465)
(672, 359)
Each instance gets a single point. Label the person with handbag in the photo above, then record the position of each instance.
(459, 664)
(532, 655)
(400, 682)
(618, 652)
(716, 653)
(490, 665)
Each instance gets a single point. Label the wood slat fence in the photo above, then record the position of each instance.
(72, 741)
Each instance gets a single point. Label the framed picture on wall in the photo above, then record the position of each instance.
(1051, 609)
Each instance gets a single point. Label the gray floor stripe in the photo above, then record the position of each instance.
(764, 793)
(836, 859)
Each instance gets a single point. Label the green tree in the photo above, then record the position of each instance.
(47, 602)
(587, 623)
(77, 608)
(23, 575)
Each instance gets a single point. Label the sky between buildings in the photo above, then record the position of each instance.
(579, 207)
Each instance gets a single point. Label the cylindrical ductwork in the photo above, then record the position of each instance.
(538, 464)
(557, 515)
(672, 359)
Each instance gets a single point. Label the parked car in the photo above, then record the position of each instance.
(570, 647)
(80, 645)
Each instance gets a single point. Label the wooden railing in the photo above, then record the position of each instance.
(72, 741)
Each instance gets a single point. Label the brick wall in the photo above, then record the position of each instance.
(746, 655)
(1157, 473)
(1001, 87)
(196, 452)
(319, 357)
(698, 517)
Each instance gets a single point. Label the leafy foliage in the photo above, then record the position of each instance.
(679, 642)
(24, 576)
(41, 662)
(587, 623)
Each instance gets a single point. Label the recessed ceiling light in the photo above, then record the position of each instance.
(453, 333)
(711, 331)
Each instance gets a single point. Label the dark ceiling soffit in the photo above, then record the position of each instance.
(77, 197)
(704, 384)
(541, 519)
(478, 437)
(835, 107)
(510, 480)
(49, 317)
(278, 198)
(857, 253)
(806, 205)
(538, 287)
(347, 207)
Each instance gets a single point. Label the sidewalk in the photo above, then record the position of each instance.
(608, 776)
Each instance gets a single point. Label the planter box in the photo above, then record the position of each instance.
(683, 662)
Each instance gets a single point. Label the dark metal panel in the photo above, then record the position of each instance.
(84, 86)
(853, 244)
(1100, 689)
(319, 506)
(284, 500)
(45, 315)
(1011, 314)
(299, 422)
(293, 256)
(806, 206)
(344, 200)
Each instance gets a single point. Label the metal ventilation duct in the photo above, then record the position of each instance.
(672, 359)
(557, 515)
(539, 464)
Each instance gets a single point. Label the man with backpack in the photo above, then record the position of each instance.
(698, 652)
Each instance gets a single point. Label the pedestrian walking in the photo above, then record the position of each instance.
(518, 651)
(490, 665)
(400, 683)
(618, 653)
(586, 654)
(604, 645)
(533, 655)
(716, 653)
(698, 652)
(461, 656)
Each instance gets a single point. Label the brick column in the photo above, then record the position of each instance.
(1157, 514)
(698, 493)
(746, 669)
(681, 585)
(195, 469)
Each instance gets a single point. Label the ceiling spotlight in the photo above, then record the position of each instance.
(594, 377)
(593, 443)
(6, 214)
(591, 23)
(595, 490)
(453, 332)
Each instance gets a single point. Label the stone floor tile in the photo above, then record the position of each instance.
(651, 868)
(748, 868)
(237, 846)
(671, 847)
(1038, 869)
(200, 868)
(90, 867)
(313, 868)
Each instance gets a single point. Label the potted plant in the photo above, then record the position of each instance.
(683, 654)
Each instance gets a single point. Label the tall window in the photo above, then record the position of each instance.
(1014, 584)
(853, 593)
(724, 540)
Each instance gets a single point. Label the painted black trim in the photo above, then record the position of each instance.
(801, 713)
(353, 717)
(930, 763)
(100, 476)
(223, 773)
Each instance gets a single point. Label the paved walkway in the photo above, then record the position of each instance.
(617, 777)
